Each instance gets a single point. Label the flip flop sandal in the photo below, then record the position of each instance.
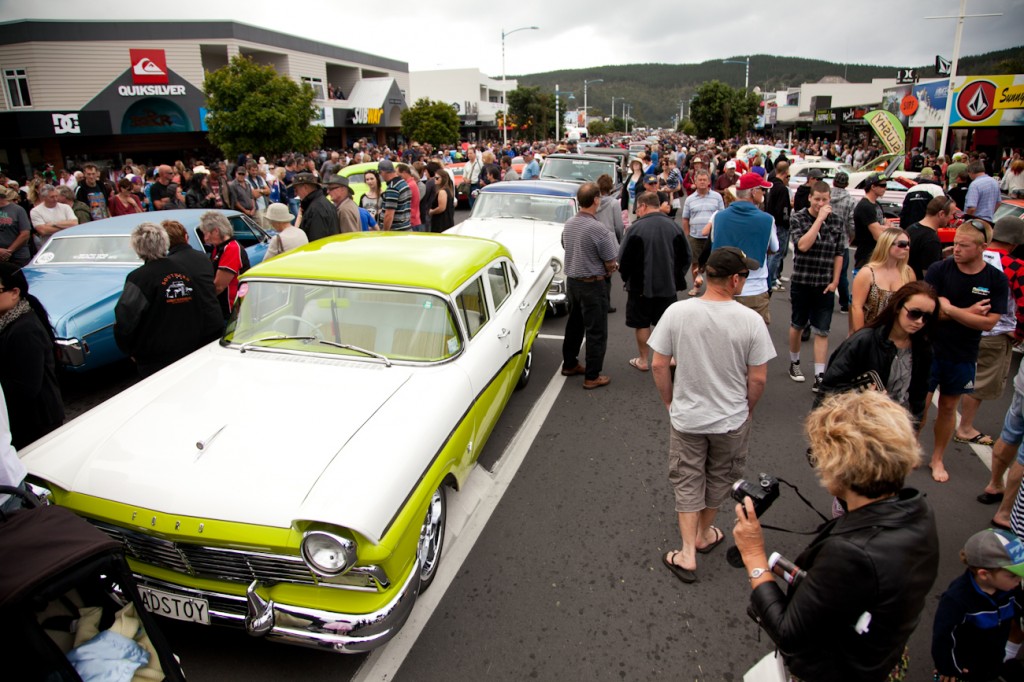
(989, 498)
(635, 364)
(720, 537)
(684, 574)
(980, 439)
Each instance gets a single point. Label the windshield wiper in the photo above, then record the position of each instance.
(348, 346)
(281, 337)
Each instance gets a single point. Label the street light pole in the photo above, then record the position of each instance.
(746, 78)
(586, 111)
(504, 83)
(558, 115)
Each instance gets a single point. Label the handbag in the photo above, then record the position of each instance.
(768, 669)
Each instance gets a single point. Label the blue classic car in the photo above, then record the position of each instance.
(79, 274)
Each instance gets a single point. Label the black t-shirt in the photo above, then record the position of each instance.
(160, 191)
(951, 340)
(865, 213)
(925, 248)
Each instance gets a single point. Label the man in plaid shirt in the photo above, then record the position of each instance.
(819, 241)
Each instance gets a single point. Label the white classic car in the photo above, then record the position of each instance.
(527, 217)
(385, 360)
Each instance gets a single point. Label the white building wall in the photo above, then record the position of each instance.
(455, 86)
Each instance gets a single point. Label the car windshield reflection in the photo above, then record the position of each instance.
(491, 205)
(343, 320)
(96, 249)
(576, 170)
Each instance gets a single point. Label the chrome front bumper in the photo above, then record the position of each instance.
(339, 632)
(72, 351)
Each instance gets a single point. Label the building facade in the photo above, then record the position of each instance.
(475, 97)
(104, 91)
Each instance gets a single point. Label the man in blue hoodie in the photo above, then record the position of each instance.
(744, 225)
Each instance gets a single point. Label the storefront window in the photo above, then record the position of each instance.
(16, 81)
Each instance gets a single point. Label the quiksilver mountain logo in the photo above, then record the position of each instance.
(149, 67)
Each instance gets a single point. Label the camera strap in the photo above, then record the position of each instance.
(805, 501)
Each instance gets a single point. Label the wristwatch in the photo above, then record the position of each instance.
(758, 572)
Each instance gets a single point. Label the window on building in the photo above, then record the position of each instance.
(16, 81)
(317, 84)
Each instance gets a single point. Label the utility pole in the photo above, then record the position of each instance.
(952, 71)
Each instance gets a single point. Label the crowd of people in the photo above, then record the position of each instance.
(920, 319)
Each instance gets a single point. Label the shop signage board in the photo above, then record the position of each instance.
(889, 130)
(988, 101)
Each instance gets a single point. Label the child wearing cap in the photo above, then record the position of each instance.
(977, 623)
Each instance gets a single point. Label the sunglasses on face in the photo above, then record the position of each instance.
(902, 244)
(915, 314)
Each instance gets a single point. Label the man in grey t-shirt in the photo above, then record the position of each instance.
(727, 348)
(15, 229)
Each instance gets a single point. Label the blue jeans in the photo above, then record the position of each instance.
(775, 260)
(844, 282)
(588, 315)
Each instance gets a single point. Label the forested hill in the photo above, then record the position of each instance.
(655, 90)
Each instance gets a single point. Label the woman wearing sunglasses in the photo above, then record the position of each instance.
(895, 345)
(888, 270)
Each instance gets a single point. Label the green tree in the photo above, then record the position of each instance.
(687, 127)
(254, 109)
(597, 127)
(617, 124)
(721, 111)
(532, 111)
(430, 121)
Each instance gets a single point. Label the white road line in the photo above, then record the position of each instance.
(474, 504)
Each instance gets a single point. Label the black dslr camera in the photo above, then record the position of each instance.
(763, 493)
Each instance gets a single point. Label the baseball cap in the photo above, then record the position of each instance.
(730, 164)
(728, 260)
(752, 180)
(841, 180)
(994, 549)
(650, 178)
(9, 194)
(815, 173)
(385, 166)
(875, 179)
(927, 173)
(1009, 230)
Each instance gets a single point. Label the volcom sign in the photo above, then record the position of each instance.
(149, 67)
(364, 116)
(66, 123)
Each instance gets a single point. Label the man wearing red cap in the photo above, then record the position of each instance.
(751, 230)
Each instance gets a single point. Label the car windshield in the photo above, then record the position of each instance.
(102, 249)
(491, 205)
(828, 171)
(1007, 209)
(577, 170)
(318, 317)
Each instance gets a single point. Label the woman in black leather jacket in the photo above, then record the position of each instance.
(869, 571)
(896, 340)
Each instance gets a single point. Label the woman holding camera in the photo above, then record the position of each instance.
(867, 572)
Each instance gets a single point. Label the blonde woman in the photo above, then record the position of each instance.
(884, 274)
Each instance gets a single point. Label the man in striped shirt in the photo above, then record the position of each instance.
(697, 211)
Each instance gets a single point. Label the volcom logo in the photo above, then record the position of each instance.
(978, 104)
(66, 123)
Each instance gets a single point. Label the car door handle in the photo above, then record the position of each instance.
(504, 333)
(524, 305)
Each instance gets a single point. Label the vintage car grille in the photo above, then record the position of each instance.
(210, 562)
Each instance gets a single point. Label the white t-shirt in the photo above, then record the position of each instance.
(41, 215)
(713, 342)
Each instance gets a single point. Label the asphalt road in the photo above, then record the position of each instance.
(566, 582)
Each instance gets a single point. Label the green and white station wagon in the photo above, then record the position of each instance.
(385, 360)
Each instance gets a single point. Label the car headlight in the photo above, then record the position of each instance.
(328, 554)
(556, 265)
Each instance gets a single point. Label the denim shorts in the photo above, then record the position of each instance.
(951, 378)
(811, 304)
(1013, 425)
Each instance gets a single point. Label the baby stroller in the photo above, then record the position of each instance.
(68, 603)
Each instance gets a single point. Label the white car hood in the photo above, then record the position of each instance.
(531, 242)
(271, 426)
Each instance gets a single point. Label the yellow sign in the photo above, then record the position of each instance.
(889, 130)
(1011, 97)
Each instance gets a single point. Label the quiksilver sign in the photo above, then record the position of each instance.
(149, 90)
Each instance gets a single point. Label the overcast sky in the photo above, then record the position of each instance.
(592, 33)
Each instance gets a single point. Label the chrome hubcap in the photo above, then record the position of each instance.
(430, 535)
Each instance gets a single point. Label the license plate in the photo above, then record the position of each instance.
(175, 606)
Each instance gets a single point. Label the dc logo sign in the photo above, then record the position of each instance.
(976, 101)
(66, 123)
